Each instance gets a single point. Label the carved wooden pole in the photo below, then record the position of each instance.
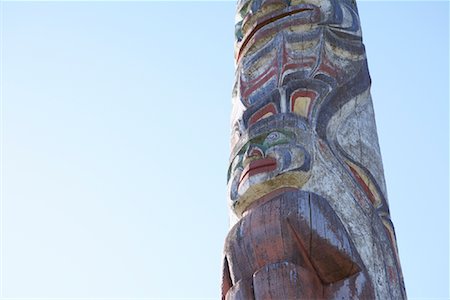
(305, 182)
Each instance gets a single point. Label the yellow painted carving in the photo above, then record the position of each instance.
(260, 14)
(294, 179)
(390, 230)
(256, 44)
(303, 44)
(368, 183)
(344, 53)
(259, 66)
(301, 106)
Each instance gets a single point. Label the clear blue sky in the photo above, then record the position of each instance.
(115, 144)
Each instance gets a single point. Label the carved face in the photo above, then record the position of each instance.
(258, 21)
(295, 60)
(268, 160)
(296, 51)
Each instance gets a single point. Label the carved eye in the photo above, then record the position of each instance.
(277, 138)
(273, 136)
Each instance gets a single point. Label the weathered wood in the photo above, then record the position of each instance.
(305, 184)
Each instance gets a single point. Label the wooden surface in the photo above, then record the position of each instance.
(305, 183)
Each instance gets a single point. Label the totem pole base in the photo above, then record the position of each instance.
(292, 247)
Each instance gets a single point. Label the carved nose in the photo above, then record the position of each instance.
(253, 153)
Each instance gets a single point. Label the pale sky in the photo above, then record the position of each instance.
(115, 144)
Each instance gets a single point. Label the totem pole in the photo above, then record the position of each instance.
(309, 211)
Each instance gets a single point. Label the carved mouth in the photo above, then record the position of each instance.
(259, 166)
(305, 14)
